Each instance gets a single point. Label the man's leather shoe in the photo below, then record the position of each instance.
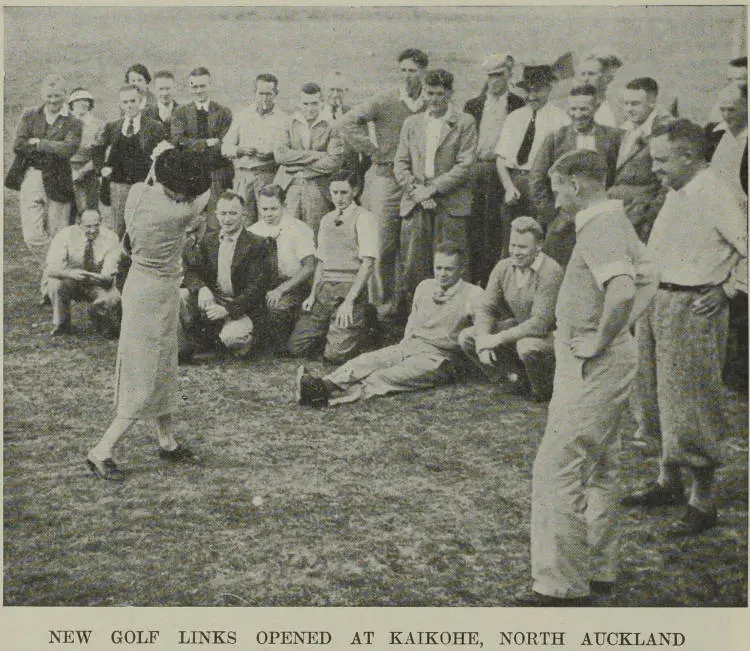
(104, 468)
(311, 391)
(536, 599)
(693, 522)
(179, 454)
(61, 329)
(655, 495)
(44, 301)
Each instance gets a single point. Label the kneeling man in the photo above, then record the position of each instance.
(227, 281)
(442, 307)
(82, 264)
(516, 314)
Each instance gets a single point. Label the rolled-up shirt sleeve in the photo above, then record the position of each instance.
(367, 235)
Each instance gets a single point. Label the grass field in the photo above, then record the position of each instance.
(419, 499)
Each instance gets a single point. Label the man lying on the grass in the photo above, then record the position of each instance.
(443, 306)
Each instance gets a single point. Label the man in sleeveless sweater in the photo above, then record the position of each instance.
(442, 307)
(334, 311)
(130, 141)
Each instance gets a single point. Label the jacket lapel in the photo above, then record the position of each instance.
(445, 129)
(212, 111)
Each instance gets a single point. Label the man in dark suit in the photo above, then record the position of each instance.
(635, 182)
(165, 103)
(200, 126)
(489, 111)
(227, 279)
(46, 139)
(583, 133)
(130, 141)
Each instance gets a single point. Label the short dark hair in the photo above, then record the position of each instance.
(419, 57)
(164, 74)
(587, 90)
(647, 84)
(139, 69)
(269, 78)
(310, 88)
(229, 195)
(273, 190)
(582, 163)
(200, 71)
(439, 77)
(449, 247)
(125, 87)
(343, 176)
(690, 137)
(739, 62)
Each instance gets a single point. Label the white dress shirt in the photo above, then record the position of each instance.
(432, 138)
(700, 234)
(136, 124)
(294, 242)
(632, 134)
(548, 120)
(605, 115)
(68, 249)
(227, 245)
(252, 130)
(493, 118)
(727, 160)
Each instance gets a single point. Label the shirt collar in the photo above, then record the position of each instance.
(136, 122)
(534, 266)
(231, 238)
(301, 118)
(645, 128)
(600, 209)
(446, 117)
(413, 104)
(203, 105)
(693, 186)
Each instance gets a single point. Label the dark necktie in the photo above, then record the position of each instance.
(334, 110)
(528, 139)
(130, 130)
(89, 264)
(338, 221)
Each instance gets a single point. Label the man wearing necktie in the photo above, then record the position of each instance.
(227, 280)
(522, 136)
(130, 142)
(635, 182)
(512, 336)
(200, 126)
(81, 265)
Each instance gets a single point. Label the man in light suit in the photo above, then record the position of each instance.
(200, 126)
(635, 182)
(227, 280)
(433, 165)
(583, 133)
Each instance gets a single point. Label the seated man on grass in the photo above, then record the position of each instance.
(512, 338)
(81, 265)
(423, 359)
(335, 312)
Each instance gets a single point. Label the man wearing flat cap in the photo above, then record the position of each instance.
(489, 111)
(522, 136)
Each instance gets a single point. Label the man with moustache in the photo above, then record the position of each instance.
(489, 111)
(373, 129)
(249, 142)
(699, 241)
(433, 164)
(583, 133)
